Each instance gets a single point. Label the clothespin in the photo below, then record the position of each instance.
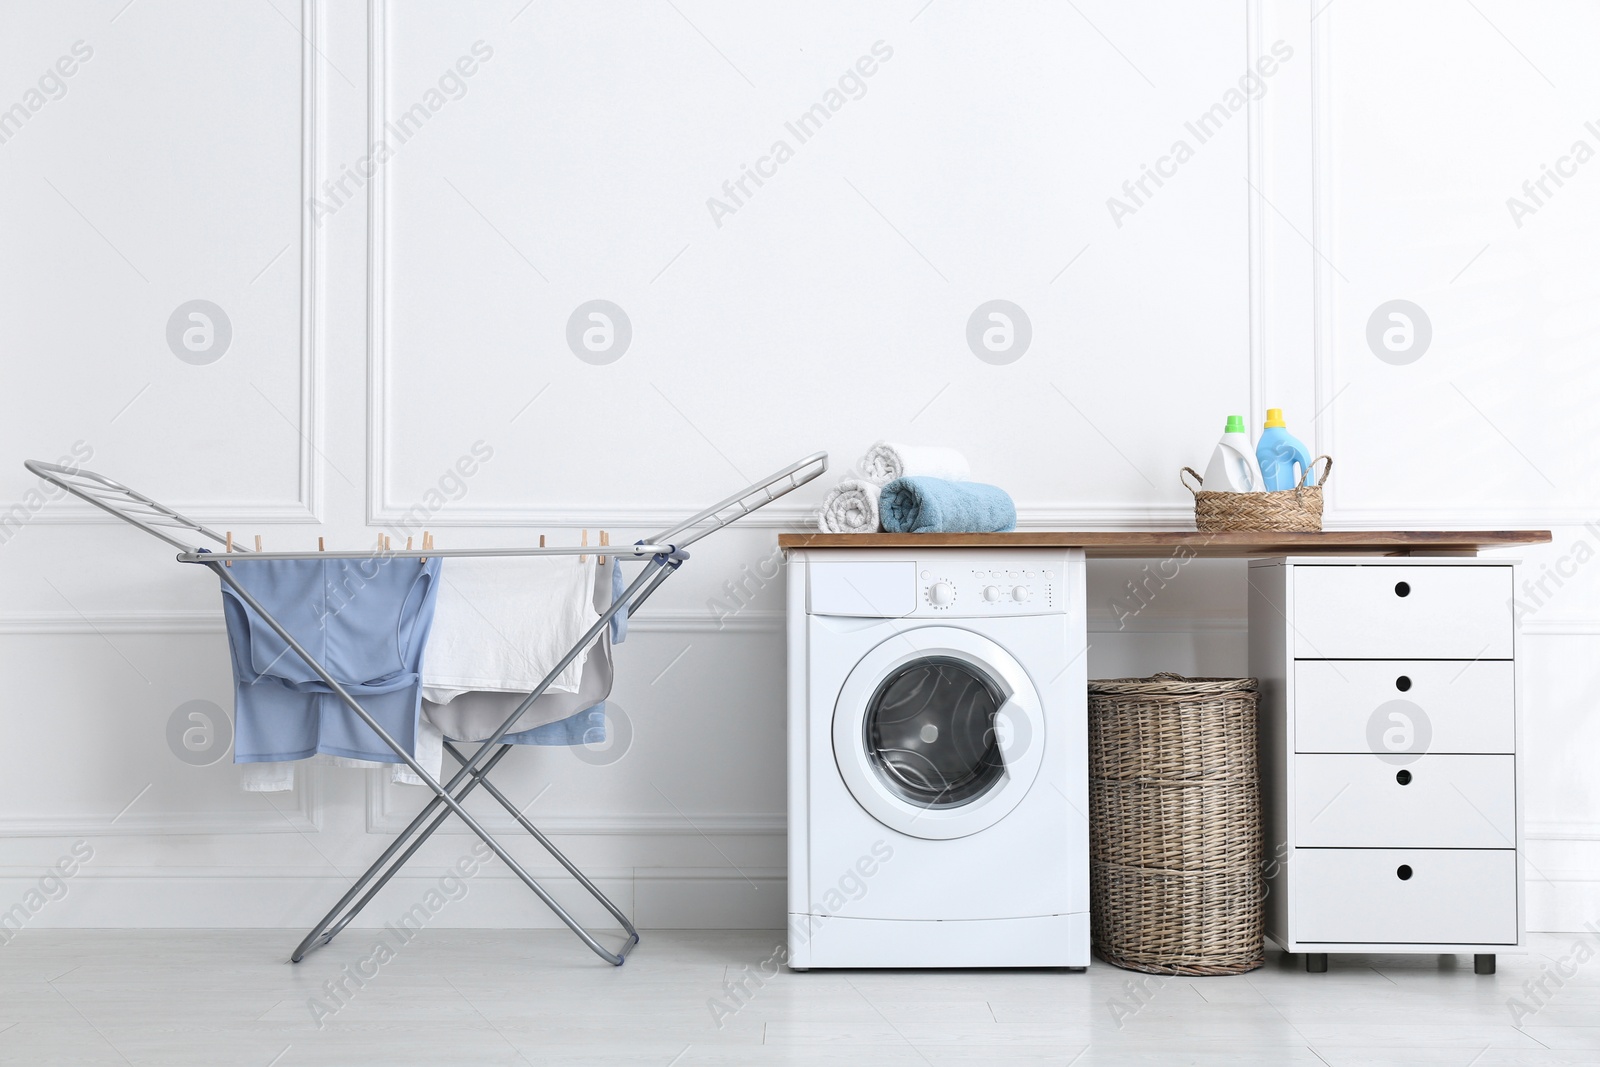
(229, 548)
(427, 542)
(320, 546)
(585, 541)
(605, 539)
(258, 542)
(408, 544)
(541, 540)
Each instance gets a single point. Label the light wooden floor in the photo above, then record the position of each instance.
(534, 997)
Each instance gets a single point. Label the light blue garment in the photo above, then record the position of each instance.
(934, 505)
(366, 621)
(587, 727)
(619, 621)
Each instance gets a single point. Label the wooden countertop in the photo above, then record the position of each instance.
(1136, 544)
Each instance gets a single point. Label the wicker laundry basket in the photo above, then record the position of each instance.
(1175, 825)
(1297, 510)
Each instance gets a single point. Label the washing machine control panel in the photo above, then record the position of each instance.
(968, 590)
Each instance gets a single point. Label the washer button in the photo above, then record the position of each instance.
(991, 593)
(1021, 593)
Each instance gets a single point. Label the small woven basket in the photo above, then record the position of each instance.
(1296, 510)
(1175, 843)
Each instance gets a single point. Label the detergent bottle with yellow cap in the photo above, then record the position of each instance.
(1279, 454)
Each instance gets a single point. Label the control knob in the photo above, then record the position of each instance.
(941, 594)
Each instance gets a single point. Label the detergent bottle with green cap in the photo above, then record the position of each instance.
(1279, 454)
(1233, 466)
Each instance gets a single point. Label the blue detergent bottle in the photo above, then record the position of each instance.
(1279, 454)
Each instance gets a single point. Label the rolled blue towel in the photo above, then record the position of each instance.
(933, 505)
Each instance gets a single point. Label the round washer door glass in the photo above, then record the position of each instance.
(938, 732)
(930, 730)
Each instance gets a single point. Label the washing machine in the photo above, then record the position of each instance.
(938, 767)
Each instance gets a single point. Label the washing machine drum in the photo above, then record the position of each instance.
(930, 729)
(938, 732)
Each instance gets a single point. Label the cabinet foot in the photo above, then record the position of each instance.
(1316, 962)
(1483, 963)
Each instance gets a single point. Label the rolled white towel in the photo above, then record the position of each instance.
(850, 507)
(886, 461)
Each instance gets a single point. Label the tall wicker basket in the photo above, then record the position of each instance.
(1175, 825)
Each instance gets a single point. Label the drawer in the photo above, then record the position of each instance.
(1339, 706)
(1453, 897)
(1443, 612)
(1435, 801)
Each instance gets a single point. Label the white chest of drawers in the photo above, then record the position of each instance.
(1389, 736)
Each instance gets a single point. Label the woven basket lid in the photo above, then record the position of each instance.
(1169, 684)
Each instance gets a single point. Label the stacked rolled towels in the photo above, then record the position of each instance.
(915, 489)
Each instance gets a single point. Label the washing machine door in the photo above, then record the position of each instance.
(938, 732)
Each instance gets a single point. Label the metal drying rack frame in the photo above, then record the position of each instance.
(661, 554)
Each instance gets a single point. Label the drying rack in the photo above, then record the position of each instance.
(662, 555)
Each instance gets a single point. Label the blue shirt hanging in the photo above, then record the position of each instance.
(365, 620)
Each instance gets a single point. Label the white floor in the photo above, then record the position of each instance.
(535, 997)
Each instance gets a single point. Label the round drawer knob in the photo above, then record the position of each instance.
(1403, 872)
(1402, 588)
(1402, 683)
(1403, 777)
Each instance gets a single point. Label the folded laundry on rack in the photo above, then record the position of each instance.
(934, 505)
(850, 507)
(553, 719)
(886, 461)
(503, 623)
(365, 620)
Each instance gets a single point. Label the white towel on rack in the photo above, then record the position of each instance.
(887, 460)
(850, 507)
(502, 623)
(476, 716)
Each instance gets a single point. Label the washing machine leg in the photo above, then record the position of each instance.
(1316, 963)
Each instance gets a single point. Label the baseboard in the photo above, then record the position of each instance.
(293, 899)
(662, 898)
(1562, 900)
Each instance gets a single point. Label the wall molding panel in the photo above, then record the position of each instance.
(783, 515)
(307, 507)
(305, 816)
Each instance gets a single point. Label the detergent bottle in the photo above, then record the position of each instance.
(1233, 467)
(1279, 454)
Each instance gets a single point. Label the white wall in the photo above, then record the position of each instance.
(386, 317)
